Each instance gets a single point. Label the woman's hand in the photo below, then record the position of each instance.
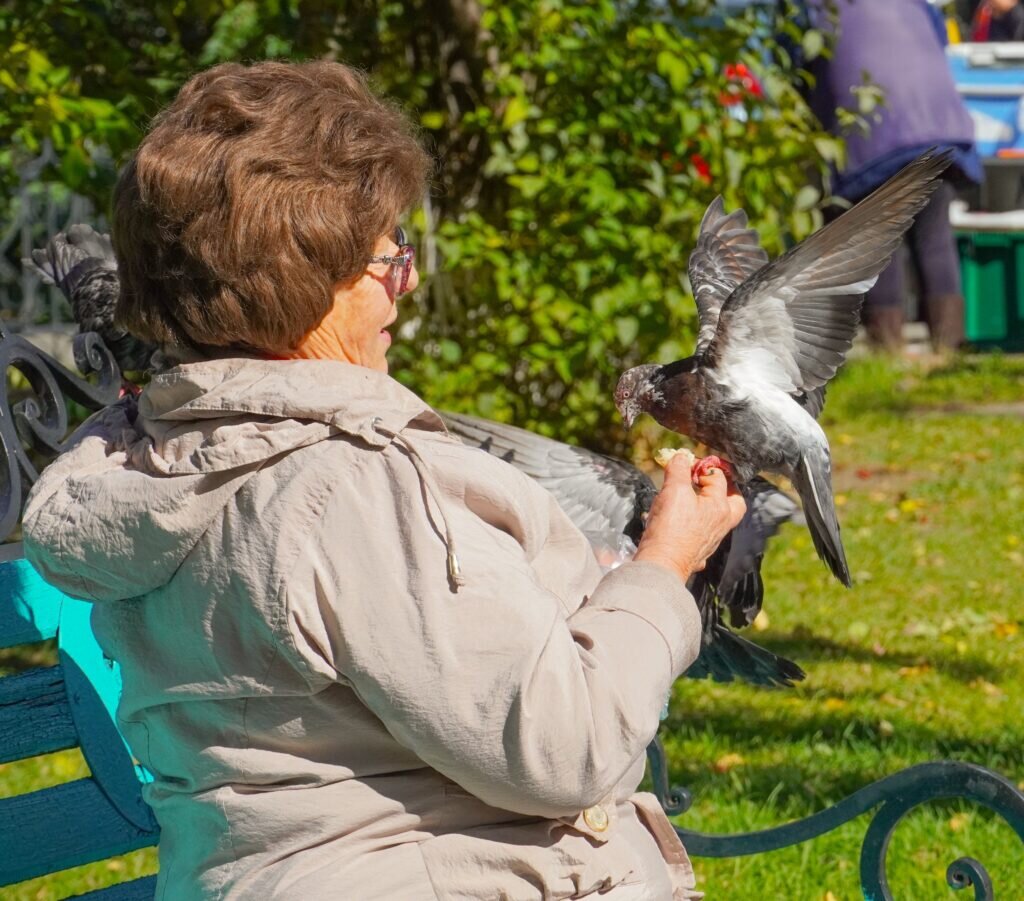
(686, 524)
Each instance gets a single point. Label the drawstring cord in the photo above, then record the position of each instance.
(455, 578)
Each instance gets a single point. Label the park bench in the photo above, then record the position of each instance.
(72, 704)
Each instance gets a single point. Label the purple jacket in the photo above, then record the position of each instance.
(896, 42)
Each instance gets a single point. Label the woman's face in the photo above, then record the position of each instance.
(355, 329)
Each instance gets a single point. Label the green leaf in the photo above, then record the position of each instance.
(450, 351)
(813, 43)
(807, 197)
(627, 328)
(516, 111)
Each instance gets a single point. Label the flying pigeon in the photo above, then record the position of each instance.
(771, 337)
(608, 500)
(82, 265)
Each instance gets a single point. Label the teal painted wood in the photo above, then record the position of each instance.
(93, 684)
(137, 890)
(35, 717)
(29, 608)
(60, 827)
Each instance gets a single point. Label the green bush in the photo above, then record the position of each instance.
(578, 145)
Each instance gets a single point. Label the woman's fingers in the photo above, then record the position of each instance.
(737, 507)
(713, 483)
(678, 468)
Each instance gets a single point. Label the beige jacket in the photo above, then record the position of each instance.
(360, 659)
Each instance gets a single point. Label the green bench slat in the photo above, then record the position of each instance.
(60, 827)
(137, 890)
(35, 717)
(29, 609)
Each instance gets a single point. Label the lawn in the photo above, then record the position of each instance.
(921, 660)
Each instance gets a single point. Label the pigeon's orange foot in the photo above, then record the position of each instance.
(705, 464)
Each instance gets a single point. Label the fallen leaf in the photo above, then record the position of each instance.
(863, 473)
(958, 821)
(885, 728)
(828, 896)
(893, 700)
(761, 621)
(835, 704)
(912, 672)
(727, 762)
(986, 687)
(840, 500)
(1006, 630)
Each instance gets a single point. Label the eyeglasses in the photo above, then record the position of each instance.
(401, 263)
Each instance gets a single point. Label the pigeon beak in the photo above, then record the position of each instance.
(629, 415)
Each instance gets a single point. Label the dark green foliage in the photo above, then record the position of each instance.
(578, 145)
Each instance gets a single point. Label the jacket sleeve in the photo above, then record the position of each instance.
(528, 700)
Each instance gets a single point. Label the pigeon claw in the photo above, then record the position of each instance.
(705, 465)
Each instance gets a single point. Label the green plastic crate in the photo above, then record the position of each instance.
(992, 268)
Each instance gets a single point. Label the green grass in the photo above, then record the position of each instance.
(923, 659)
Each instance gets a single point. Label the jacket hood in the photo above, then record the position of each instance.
(115, 516)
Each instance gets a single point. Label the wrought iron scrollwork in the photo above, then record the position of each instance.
(894, 796)
(39, 422)
(674, 800)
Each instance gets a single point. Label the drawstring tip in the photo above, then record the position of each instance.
(455, 572)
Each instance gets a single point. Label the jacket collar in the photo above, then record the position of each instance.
(353, 399)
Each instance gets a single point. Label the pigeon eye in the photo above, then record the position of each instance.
(625, 395)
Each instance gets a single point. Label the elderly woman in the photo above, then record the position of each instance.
(360, 659)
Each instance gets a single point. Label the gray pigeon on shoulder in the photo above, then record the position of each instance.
(82, 265)
(608, 500)
(771, 337)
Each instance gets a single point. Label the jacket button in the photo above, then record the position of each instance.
(596, 818)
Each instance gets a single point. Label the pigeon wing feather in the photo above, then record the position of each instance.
(726, 255)
(792, 323)
(600, 494)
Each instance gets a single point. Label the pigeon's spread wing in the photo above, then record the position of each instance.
(601, 495)
(726, 255)
(792, 323)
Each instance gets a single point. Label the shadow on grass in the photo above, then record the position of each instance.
(804, 647)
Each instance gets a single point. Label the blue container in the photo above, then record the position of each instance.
(990, 79)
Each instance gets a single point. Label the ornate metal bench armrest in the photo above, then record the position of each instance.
(40, 422)
(894, 796)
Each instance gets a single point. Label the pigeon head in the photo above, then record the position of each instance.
(635, 392)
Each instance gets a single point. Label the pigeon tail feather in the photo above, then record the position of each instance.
(744, 597)
(812, 481)
(729, 657)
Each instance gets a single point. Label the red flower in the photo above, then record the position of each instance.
(702, 167)
(742, 81)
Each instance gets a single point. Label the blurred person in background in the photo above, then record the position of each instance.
(899, 48)
(996, 20)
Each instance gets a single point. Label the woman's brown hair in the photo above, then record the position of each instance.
(253, 193)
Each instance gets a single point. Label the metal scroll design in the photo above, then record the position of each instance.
(894, 797)
(37, 424)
